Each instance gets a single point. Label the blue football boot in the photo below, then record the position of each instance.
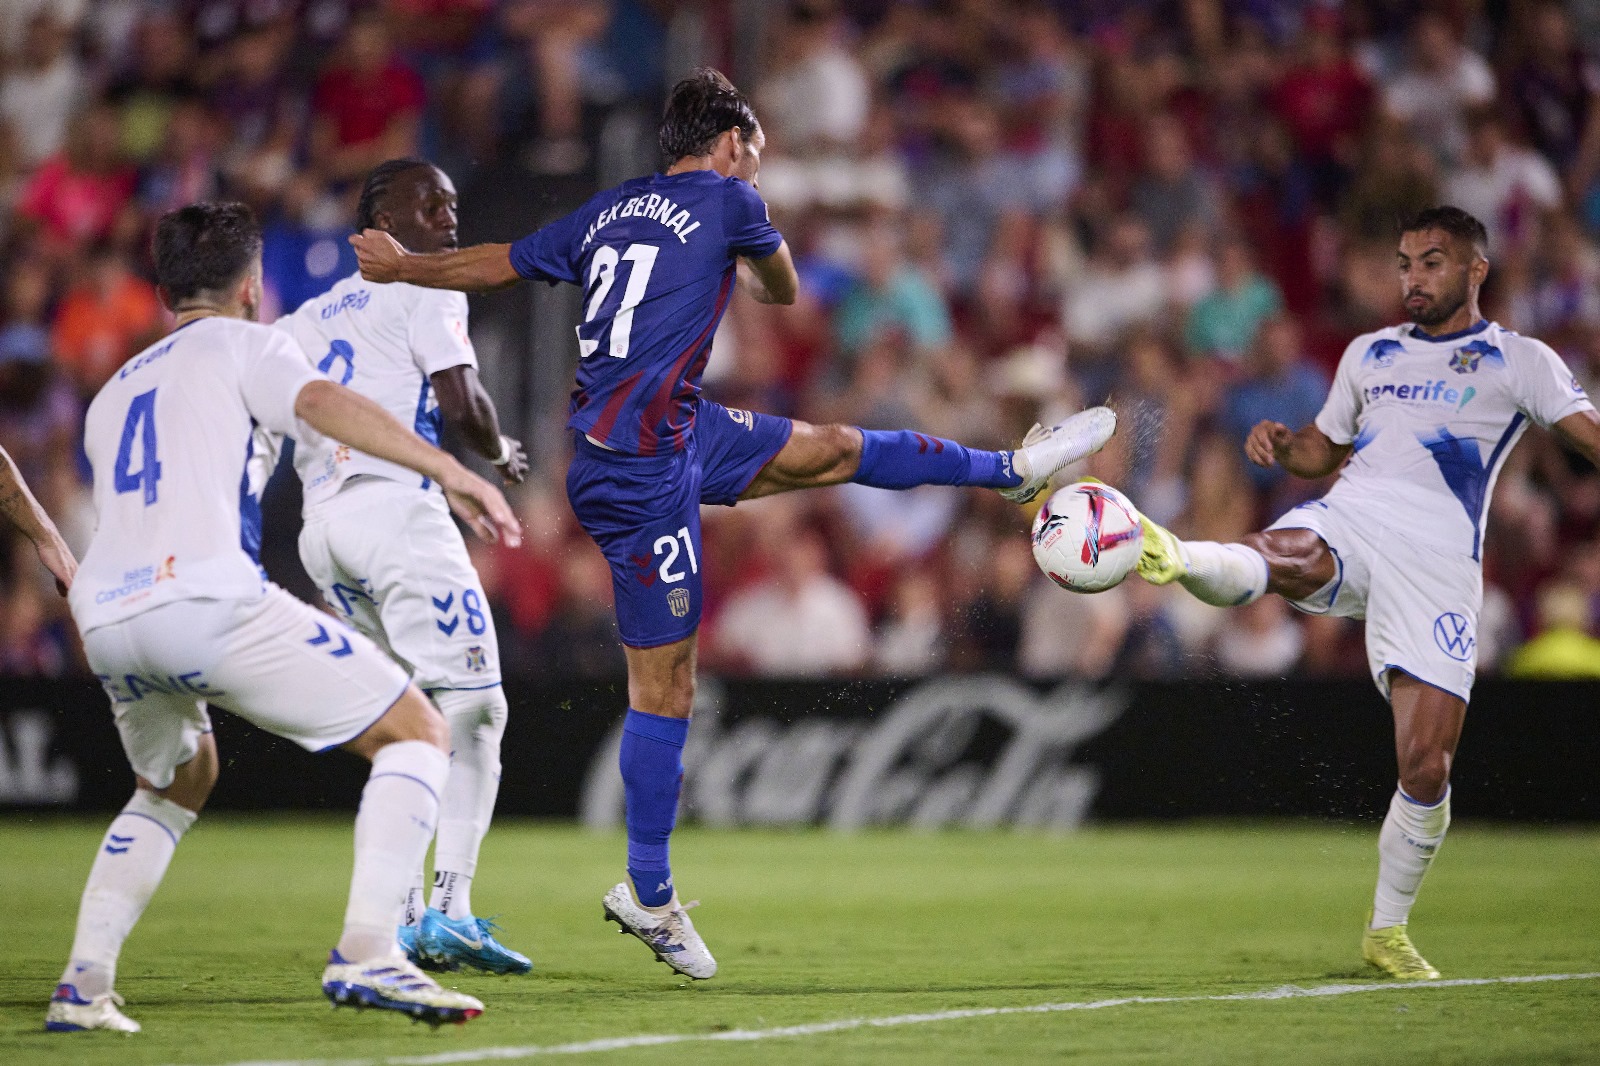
(407, 936)
(453, 943)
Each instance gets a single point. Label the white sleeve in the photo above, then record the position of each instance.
(1547, 391)
(437, 331)
(1339, 419)
(271, 377)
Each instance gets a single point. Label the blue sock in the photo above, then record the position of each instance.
(652, 776)
(901, 459)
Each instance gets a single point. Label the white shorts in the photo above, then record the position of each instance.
(389, 559)
(278, 663)
(1420, 604)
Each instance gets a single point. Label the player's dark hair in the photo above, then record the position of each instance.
(703, 107)
(1451, 220)
(204, 248)
(377, 186)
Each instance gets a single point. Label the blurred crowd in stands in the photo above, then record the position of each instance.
(1002, 210)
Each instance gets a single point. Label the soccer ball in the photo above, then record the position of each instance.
(1087, 537)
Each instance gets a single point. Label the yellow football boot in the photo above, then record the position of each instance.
(1390, 950)
(1161, 562)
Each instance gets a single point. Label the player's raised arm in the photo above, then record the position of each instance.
(772, 280)
(19, 505)
(479, 268)
(468, 408)
(1308, 453)
(350, 418)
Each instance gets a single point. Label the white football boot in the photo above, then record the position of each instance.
(394, 983)
(671, 935)
(1046, 450)
(71, 1013)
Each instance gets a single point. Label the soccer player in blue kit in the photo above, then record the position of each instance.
(658, 258)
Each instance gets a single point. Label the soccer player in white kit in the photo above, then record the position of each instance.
(1421, 417)
(380, 544)
(176, 614)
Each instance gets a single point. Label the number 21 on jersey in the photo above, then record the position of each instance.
(602, 276)
(139, 429)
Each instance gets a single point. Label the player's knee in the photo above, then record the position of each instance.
(411, 718)
(844, 445)
(1294, 571)
(833, 452)
(496, 712)
(193, 781)
(1425, 773)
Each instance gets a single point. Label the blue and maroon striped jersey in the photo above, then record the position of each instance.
(656, 258)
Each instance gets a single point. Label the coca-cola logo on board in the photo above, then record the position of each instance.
(971, 751)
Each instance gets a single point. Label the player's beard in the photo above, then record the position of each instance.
(1440, 309)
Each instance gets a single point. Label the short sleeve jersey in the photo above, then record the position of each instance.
(177, 441)
(1432, 420)
(385, 342)
(656, 259)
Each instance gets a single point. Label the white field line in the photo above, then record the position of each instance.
(620, 1043)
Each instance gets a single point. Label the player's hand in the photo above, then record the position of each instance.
(378, 254)
(57, 558)
(481, 506)
(1266, 441)
(515, 468)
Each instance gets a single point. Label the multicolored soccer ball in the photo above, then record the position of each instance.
(1087, 537)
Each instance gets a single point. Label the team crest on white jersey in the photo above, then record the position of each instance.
(477, 661)
(1465, 359)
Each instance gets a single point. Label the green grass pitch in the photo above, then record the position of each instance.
(811, 927)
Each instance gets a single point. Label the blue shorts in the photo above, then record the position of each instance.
(644, 513)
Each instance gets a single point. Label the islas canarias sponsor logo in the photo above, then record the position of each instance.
(137, 583)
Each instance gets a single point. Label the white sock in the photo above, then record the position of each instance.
(477, 721)
(1223, 575)
(132, 859)
(416, 901)
(399, 809)
(1411, 835)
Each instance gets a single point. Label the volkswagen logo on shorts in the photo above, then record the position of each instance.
(1453, 633)
(678, 601)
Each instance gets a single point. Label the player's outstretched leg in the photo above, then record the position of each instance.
(815, 456)
(903, 459)
(128, 868)
(396, 820)
(449, 936)
(1223, 575)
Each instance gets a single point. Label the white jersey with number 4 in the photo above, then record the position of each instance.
(1432, 420)
(384, 341)
(180, 441)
